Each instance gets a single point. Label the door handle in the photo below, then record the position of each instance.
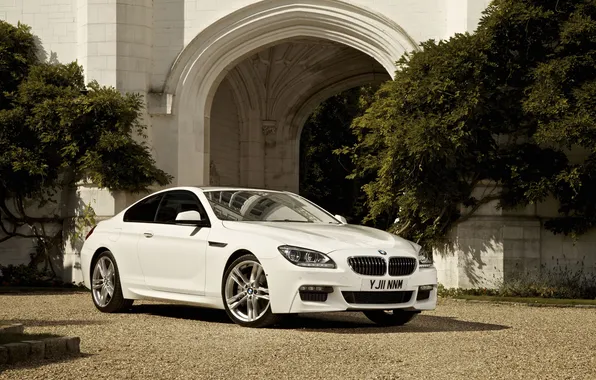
(148, 234)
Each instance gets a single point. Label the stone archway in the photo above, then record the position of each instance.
(198, 71)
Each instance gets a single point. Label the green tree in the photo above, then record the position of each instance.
(56, 132)
(501, 106)
(17, 55)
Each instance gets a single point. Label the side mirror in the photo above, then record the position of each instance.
(341, 219)
(188, 217)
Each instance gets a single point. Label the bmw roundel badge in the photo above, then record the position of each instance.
(382, 252)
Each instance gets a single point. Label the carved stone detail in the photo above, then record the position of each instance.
(269, 127)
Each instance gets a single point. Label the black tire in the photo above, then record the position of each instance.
(395, 317)
(265, 320)
(117, 302)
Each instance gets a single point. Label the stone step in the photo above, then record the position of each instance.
(49, 348)
(15, 328)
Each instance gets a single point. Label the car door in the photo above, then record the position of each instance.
(136, 219)
(172, 255)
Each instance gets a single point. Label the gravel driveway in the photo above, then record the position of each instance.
(459, 340)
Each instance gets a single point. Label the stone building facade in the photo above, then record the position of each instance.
(229, 85)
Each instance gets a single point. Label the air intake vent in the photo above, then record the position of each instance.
(368, 265)
(368, 298)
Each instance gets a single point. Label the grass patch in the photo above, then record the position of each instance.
(559, 283)
(536, 300)
(15, 338)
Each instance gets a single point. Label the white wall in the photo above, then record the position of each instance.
(53, 21)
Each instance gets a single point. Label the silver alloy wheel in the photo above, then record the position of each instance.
(246, 291)
(103, 281)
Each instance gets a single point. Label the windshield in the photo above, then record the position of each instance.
(264, 206)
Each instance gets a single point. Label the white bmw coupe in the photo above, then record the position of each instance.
(258, 254)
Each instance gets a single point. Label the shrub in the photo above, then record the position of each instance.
(28, 276)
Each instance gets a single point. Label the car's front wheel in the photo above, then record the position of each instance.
(245, 293)
(106, 290)
(394, 317)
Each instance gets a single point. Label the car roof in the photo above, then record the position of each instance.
(202, 189)
(222, 188)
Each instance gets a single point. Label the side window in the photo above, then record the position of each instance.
(144, 211)
(176, 202)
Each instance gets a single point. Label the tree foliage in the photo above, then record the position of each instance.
(502, 106)
(56, 132)
(323, 175)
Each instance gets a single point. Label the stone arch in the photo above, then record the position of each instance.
(202, 65)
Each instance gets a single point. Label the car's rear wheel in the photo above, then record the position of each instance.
(394, 317)
(245, 293)
(106, 289)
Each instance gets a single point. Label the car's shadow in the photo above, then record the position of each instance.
(336, 323)
(191, 313)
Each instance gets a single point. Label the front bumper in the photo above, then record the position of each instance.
(348, 290)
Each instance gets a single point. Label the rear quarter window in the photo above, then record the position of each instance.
(144, 211)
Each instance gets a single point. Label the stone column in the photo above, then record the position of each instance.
(272, 161)
(251, 150)
(463, 15)
(114, 47)
(97, 40)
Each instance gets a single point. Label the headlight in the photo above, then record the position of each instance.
(304, 257)
(425, 259)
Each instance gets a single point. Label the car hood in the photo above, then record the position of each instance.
(325, 237)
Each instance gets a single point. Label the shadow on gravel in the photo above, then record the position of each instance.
(24, 291)
(356, 323)
(191, 313)
(45, 323)
(40, 363)
(335, 323)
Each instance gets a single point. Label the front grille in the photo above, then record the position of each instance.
(368, 265)
(377, 297)
(401, 266)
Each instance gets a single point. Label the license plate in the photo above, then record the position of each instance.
(383, 284)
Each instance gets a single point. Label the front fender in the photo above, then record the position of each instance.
(223, 244)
